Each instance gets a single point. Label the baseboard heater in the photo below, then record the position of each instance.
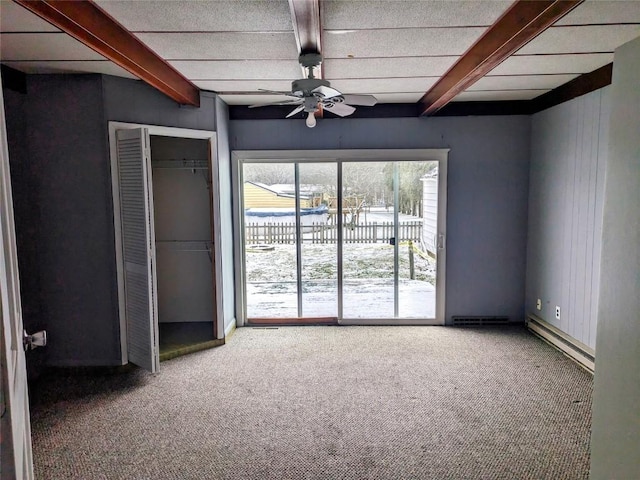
(568, 345)
(478, 321)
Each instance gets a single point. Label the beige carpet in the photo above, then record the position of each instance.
(326, 403)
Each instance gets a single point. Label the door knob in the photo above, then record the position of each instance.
(38, 339)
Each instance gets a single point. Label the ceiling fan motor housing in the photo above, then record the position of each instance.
(305, 86)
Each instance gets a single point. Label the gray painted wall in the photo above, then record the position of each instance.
(69, 237)
(488, 180)
(615, 438)
(133, 101)
(568, 157)
(226, 220)
(182, 212)
(72, 229)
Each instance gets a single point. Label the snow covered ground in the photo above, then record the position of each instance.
(368, 282)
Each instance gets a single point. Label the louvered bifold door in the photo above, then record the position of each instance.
(138, 247)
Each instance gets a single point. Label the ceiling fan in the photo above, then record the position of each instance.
(312, 93)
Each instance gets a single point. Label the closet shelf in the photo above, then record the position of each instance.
(185, 245)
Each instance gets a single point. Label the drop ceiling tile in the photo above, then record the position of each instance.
(202, 16)
(238, 69)
(547, 64)
(98, 66)
(386, 67)
(252, 99)
(399, 43)
(399, 97)
(588, 39)
(266, 99)
(44, 46)
(222, 46)
(14, 18)
(521, 82)
(599, 11)
(384, 85)
(349, 14)
(498, 95)
(243, 85)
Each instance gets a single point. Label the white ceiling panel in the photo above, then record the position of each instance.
(44, 46)
(264, 99)
(222, 46)
(594, 12)
(498, 96)
(238, 69)
(386, 67)
(14, 18)
(243, 85)
(521, 82)
(588, 39)
(201, 16)
(384, 85)
(367, 14)
(101, 66)
(399, 43)
(253, 99)
(399, 97)
(548, 64)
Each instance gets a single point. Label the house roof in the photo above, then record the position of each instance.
(395, 50)
(276, 190)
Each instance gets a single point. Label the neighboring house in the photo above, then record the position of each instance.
(259, 195)
(430, 212)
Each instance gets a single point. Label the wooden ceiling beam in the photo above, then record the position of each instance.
(305, 16)
(307, 27)
(521, 23)
(88, 23)
(577, 87)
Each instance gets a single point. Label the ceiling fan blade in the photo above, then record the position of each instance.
(295, 110)
(340, 109)
(365, 100)
(286, 102)
(326, 92)
(276, 92)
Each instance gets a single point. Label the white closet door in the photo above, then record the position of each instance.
(138, 247)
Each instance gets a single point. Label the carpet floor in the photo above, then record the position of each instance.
(326, 403)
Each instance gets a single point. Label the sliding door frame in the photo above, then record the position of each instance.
(240, 157)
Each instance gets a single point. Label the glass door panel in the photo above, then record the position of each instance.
(318, 249)
(368, 231)
(341, 240)
(270, 240)
(417, 231)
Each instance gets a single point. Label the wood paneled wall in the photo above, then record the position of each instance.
(568, 157)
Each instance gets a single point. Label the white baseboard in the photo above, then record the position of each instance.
(230, 328)
(576, 350)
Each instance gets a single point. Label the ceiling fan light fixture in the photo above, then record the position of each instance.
(311, 120)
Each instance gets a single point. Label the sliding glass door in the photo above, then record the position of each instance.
(340, 240)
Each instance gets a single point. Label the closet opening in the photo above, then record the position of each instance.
(182, 206)
(167, 239)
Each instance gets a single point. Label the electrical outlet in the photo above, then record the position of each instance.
(557, 312)
(539, 304)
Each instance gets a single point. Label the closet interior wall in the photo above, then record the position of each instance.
(182, 215)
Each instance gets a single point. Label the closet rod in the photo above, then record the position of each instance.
(181, 163)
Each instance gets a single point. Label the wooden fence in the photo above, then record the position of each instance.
(322, 233)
